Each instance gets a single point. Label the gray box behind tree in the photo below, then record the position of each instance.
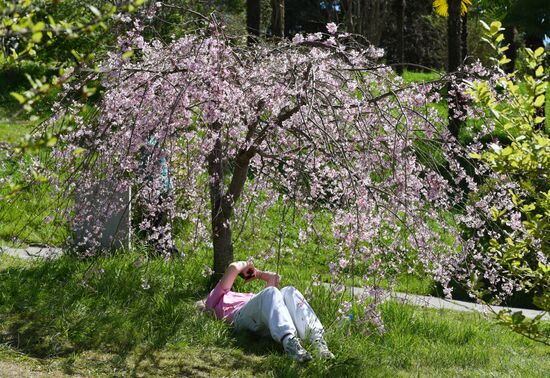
(116, 231)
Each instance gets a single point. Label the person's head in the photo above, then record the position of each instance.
(201, 305)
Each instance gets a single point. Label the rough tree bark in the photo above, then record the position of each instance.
(454, 51)
(222, 202)
(278, 18)
(253, 14)
(221, 235)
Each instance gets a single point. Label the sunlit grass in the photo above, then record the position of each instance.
(13, 132)
(96, 318)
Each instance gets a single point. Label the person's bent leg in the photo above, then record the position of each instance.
(267, 310)
(306, 322)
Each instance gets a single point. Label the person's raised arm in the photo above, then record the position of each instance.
(232, 271)
(270, 278)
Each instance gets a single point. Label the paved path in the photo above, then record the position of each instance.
(412, 299)
(32, 252)
(450, 304)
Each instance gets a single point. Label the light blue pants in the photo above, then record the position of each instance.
(279, 313)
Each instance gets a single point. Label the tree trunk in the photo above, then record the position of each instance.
(221, 230)
(510, 35)
(454, 51)
(253, 14)
(400, 12)
(349, 8)
(454, 48)
(332, 15)
(223, 202)
(464, 36)
(278, 18)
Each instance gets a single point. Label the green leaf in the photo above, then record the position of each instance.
(495, 27)
(95, 11)
(39, 26)
(528, 208)
(37, 37)
(538, 52)
(76, 55)
(518, 317)
(19, 97)
(503, 60)
(484, 25)
(128, 54)
(539, 72)
(52, 141)
(539, 101)
(539, 120)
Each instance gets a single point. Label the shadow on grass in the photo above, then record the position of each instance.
(57, 308)
(132, 320)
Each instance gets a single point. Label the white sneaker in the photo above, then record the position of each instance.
(321, 349)
(295, 350)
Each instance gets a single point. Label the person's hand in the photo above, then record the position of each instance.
(249, 272)
(271, 279)
(252, 274)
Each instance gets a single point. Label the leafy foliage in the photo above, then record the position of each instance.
(29, 27)
(522, 244)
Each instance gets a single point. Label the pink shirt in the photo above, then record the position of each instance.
(226, 303)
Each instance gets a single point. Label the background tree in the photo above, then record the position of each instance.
(278, 18)
(454, 10)
(367, 18)
(455, 59)
(253, 17)
(531, 17)
(400, 6)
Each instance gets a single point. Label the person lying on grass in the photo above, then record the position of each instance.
(284, 314)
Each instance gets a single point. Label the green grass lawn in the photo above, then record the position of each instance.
(24, 219)
(94, 318)
(13, 132)
(410, 77)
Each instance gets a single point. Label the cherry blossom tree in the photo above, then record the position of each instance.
(313, 119)
(316, 122)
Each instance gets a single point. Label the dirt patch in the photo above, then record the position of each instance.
(25, 370)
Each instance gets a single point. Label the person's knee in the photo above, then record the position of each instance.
(271, 291)
(289, 292)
